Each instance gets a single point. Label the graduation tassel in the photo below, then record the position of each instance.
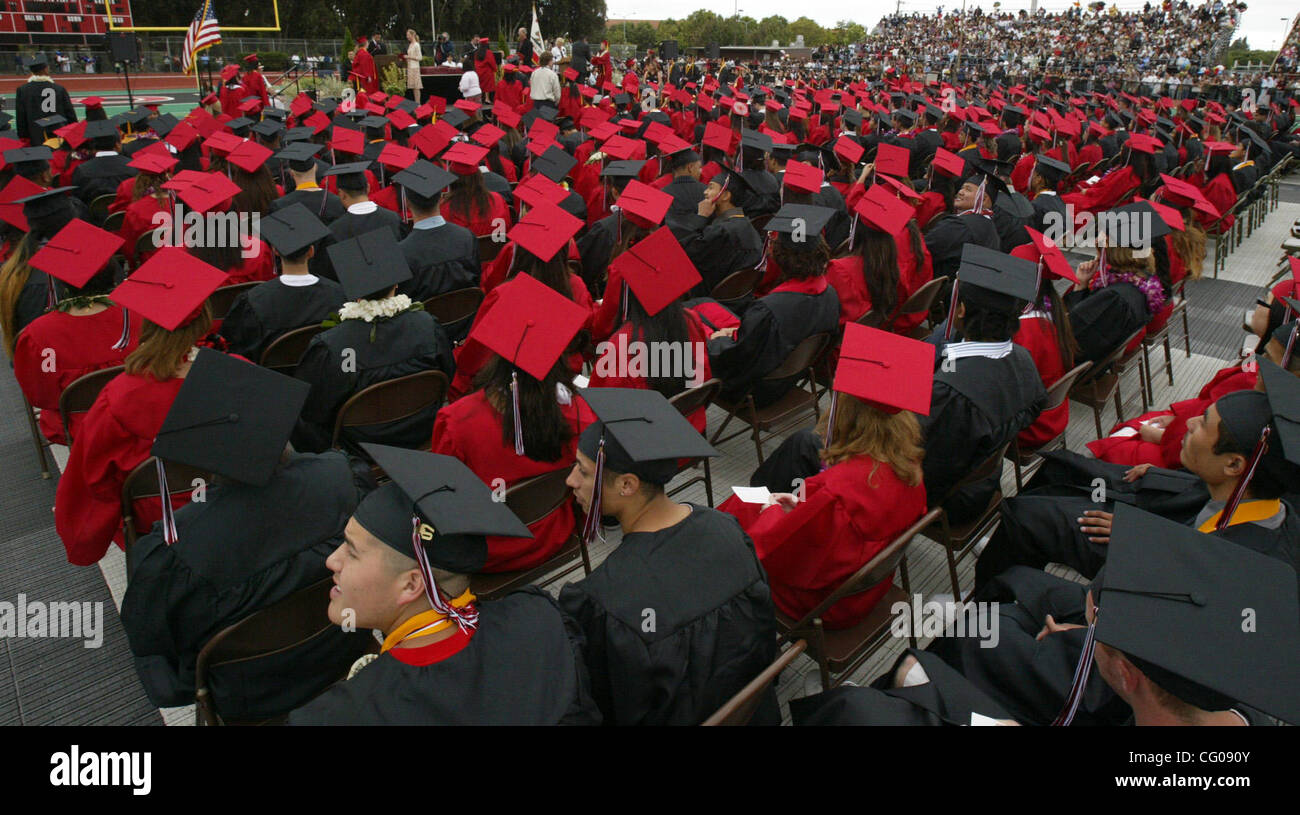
(1261, 447)
(952, 312)
(124, 340)
(1081, 670)
(978, 207)
(625, 303)
(514, 406)
(466, 616)
(1101, 267)
(592, 522)
(164, 495)
(853, 228)
(830, 420)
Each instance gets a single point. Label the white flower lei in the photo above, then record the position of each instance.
(371, 310)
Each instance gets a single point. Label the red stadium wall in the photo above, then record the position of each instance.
(60, 17)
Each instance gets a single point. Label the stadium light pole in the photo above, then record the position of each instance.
(433, 30)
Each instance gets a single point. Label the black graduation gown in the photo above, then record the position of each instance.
(974, 409)
(770, 329)
(1102, 319)
(272, 308)
(764, 194)
(238, 551)
(948, 233)
(1048, 208)
(523, 666)
(351, 225)
(717, 247)
(322, 203)
(927, 143)
(677, 622)
(1011, 214)
(33, 301)
(837, 228)
(687, 194)
(495, 182)
(408, 343)
(34, 100)
(947, 699)
(595, 248)
(101, 176)
(442, 259)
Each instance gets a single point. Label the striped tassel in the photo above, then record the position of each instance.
(514, 405)
(168, 514)
(592, 522)
(467, 617)
(124, 340)
(1080, 681)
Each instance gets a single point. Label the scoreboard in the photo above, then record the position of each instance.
(61, 17)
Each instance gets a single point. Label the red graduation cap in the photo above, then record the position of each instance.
(1182, 194)
(530, 326)
(11, 213)
(469, 107)
(657, 270)
(644, 205)
(542, 129)
(538, 189)
(229, 72)
(803, 177)
(603, 130)
(488, 135)
(393, 102)
(1041, 247)
(592, 117)
(317, 121)
(1218, 146)
(658, 131)
(153, 161)
(892, 160)
(222, 142)
(76, 253)
(882, 210)
(348, 141)
(396, 157)
(506, 115)
(300, 105)
(886, 370)
(718, 136)
(570, 74)
(182, 136)
(74, 134)
(249, 156)
(92, 102)
(623, 148)
(250, 105)
(170, 288)
(463, 157)
(203, 192)
(848, 150)
(400, 119)
(1172, 217)
(587, 91)
(1143, 143)
(899, 187)
(544, 231)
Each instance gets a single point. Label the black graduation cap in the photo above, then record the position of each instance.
(344, 121)
(134, 116)
(906, 114)
(36, 60)
(347, 168)
(231, 417)
(373, 122)
(22, 155)
(997, 273)
(301, 155)
(622, 99)
(445, 494)
(1283, 390)
(424, 178)
(556, 163)
(1260, 143)
(853, 118)
(984, 170)
(1175, 601)
(292, 229)
(805, 218)
(327, 106)
(369, 264)
(46, 203)
(755, 140)
(545, 113)
(99, 129)
(643, 433)
(1136, 225)
(163, 123)
(1017, 206)
(267, 128)
(243, 123)
(51, 122)
(455, 117)
(1052, 169)
(630, 168)
(297, 134)
(782, 151)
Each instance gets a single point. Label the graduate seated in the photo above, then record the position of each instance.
(302, 162)
(471, 204)
(295, 298)
(262, 532)
(443, 256)
(1117, 293)
(679, 617)
(380, 335)
(521, 420)
(24, 290)
(803, 304)
(1157, 659)
(404, 568)
(986, 388)
(85, 332)
(170, 295)
(101, 175)
(811, 539)
(718, 237)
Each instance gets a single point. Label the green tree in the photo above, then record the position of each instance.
(772, 28)
(813, 34)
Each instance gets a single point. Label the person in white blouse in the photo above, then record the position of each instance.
(413, 80)
(557, 52)
(469, 87)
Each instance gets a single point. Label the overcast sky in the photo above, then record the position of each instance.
(1262, 23)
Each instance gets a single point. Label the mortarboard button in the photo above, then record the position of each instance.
(369, 264)
(887, 371)
(170, 287)
(76, 253)
(424, 178)
(463, 158)
(249, 156)
(544, 231)
(510, 329)
(555, 163)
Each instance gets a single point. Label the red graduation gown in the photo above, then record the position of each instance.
(1037, 335)
(697, 333)
(470, 429)
(114, 437)
(139, 220)
(482, 223)
(259, 267)
(364, 73)
(1109, 192)
(80, 345)
(1223, 195)
(849, 515)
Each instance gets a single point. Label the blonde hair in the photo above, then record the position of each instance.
(1190, 245)
(864, 430)
(410, 32)
(1123, 258)
(13, 278)
(161, 353)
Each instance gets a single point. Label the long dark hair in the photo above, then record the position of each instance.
(880, 271)
(469, 195)
(545, 429)
(554, 273)
(668, 326)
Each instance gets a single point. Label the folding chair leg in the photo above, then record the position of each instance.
(1169, 364)
(758, 445)
(708, 482)
(823, 667)
(1096, 418)
(1187, 334)
(37, 439)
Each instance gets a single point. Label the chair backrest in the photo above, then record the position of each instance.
(1115, 354)
(692, 399)
(143, 483)
(81, 394)
(739, 709)
(873, 572)
(736, 285)
(223, 298)
(113, 222)
(488, 248)
(986, 468)
(144, 247)
(285, 624)
(1060, 389)
(285, 351)
(454, 307)
(760, 222)
(391, 401)
(99, 207)
(802, 358)
(534, 498)
(871, 319)
(923, 298)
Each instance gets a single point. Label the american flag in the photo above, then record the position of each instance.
(202, 33)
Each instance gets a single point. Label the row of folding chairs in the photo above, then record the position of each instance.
(1250, 210)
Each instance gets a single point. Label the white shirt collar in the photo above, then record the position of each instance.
(432, 222)
(297, 280)
(363, 208)
(991, 350)
(99, 153)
